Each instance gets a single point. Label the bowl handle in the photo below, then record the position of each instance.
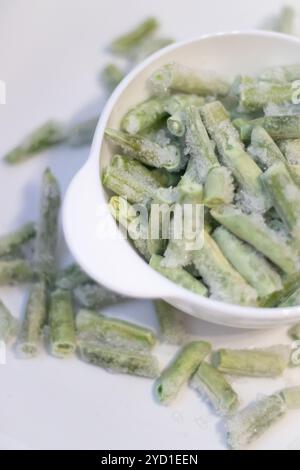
(99, 247)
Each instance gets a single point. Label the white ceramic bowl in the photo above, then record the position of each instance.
(86, 219)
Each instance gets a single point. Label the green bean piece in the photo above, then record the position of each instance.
(15, 271)
(286, 109)
(177, 77)
(119, 360)
(263, 149)
(12, 241)
(130, 179)
(50, 134)
(190, 187)
(95, 296)
(116, 333)
(269, 362)
(148, 47)
(291, 283)
(47, 232)
(253, 230)
(291, 150)
(253, 421)
(291, 397)
(8, 324)
(252, 266)
(212, 385)
(286, 20)
(176, 125)
(137, 229)
(35, 317)
(285, 195)
(171, 323)
(62, 324)
(180, 370)
(111, 75)
(255, 94)
(178, 275)
(179, 101)
(126, 43)
(71, 277)
(158, 232)
(283, 73)
(146, 151)
(198, 143)
(233, 154)
(292, 301)
(224, 282)
(294, 332)
(278, 127)
(144, 115)
(81, 134)
(218, 187)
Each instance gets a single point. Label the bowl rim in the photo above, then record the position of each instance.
(235, 312)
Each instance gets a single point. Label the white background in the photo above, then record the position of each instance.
(50, 54)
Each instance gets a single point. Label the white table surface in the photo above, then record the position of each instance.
(50, 53)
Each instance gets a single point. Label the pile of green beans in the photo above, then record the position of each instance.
(245, 172)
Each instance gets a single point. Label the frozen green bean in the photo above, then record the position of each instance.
(179, 101)
(198, 143)
(43, 138)
(291, 283)
(253, 421)
(177, 77)
(111, 75)
(33, 322)
(62, 324)
(213, 385)
(269, 362)
(291, 150)
(12, 241)
(278, 127)
(254, 268)
(176, 125)
(180, 370)
(291, 397)
(119, 360)
(292, 301)
(95, 296)
(126, 43)
(171, 323)
(253, 230)
(224, 282)
(121, 334)
(145, 150)
(281, 73)
(285, 195)
(190, 187)
(137, 227)
(255, 94)
(178, 275)
(263, 149)
(15, 271)
(287, 109)
(71, 277)
(130, 179)
(144, 115)
(8, 324)
(233, 154)
(218, 187)
(47, 232)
